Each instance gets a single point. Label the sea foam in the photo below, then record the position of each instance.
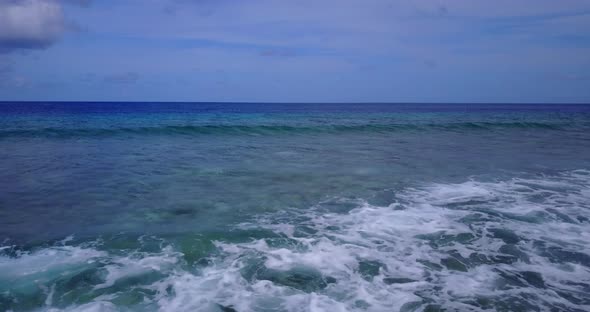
(517, 244)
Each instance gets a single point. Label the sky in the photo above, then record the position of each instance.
(467, 51)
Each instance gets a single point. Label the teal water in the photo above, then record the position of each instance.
(294, 207)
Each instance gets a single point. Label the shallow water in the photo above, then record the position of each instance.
(288, 207)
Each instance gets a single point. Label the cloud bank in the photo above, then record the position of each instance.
(30, 24)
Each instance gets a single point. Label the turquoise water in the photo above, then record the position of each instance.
(294, 207)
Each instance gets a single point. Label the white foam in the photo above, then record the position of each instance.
(137, 264)
(96, 306)
(411, 239)
(46, 260)
(390, 235)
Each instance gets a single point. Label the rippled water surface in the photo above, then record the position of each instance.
(294, 207)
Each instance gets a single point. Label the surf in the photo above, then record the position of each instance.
(518, 243)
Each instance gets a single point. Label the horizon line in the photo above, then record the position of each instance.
(305, 103)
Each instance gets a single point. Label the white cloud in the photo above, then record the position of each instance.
(30, 24)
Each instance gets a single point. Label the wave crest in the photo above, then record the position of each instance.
(281, 129)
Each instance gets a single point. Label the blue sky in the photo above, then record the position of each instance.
(296, 51)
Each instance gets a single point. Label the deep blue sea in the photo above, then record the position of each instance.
(294, 207)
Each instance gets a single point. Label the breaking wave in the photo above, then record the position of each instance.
(518, 244)
(283, 129)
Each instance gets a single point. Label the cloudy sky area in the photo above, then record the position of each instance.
(296, 50)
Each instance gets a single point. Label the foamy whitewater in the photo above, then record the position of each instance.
(374, 220)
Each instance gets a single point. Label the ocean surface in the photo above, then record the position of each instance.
(294, 207)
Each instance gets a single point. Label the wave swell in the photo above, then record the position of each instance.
(192, 130)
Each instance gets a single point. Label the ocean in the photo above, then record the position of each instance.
(294, 207)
